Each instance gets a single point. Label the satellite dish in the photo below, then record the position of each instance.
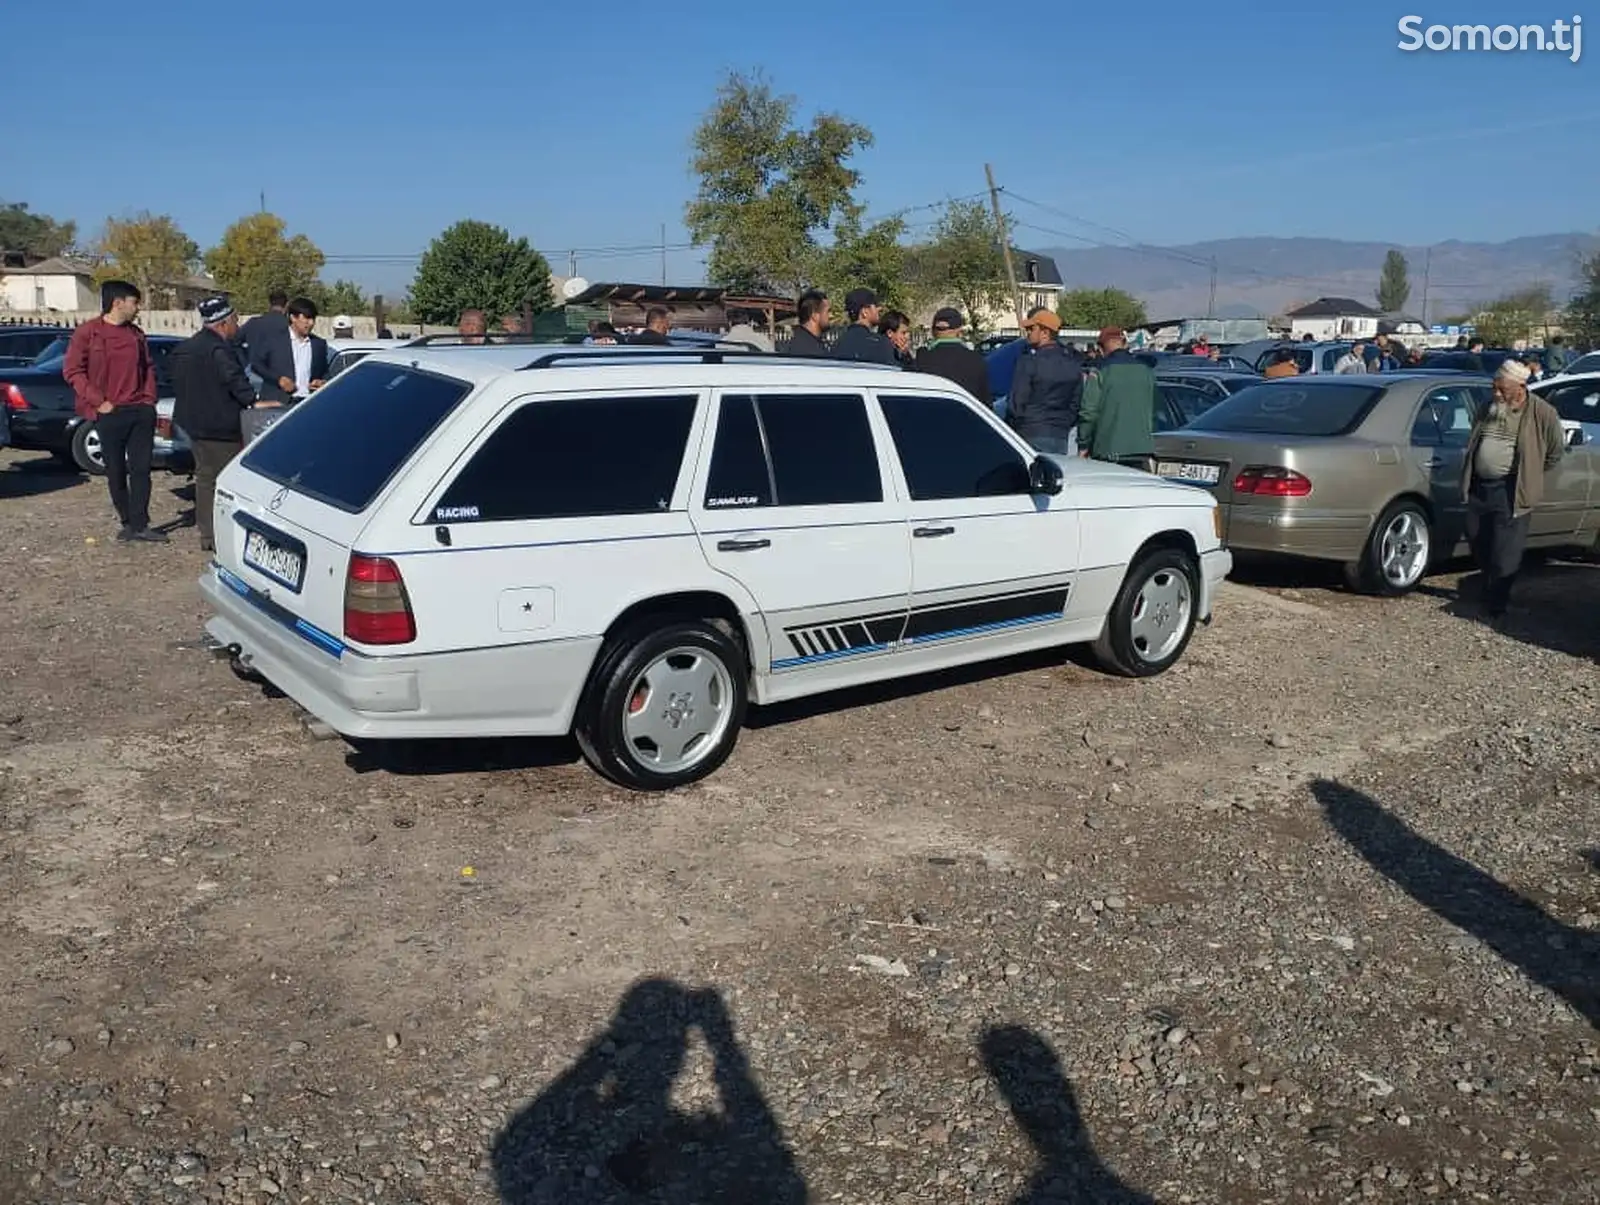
(574, 287)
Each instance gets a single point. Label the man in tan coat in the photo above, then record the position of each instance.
(1515, 442)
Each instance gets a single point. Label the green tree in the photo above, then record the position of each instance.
(1394, 289)
(962, 262)
(1582, 317)
(256, 257)
(1519, 315)
(34, 235)
(341, 297)
(474, 265)
(1093, 309)
(150, 251)
(768, 188)
(871, 258)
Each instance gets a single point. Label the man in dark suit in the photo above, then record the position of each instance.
(291, 362)
(274, 319)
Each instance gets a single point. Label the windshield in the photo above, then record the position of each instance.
(1289, 409)
(350, 437)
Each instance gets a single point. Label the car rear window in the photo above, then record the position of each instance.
(350, 438)
(1284, 408)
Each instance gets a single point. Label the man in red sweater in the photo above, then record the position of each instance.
(110, 370)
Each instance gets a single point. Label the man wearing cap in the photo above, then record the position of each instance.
(1047, 387)
(949, 357)
(1514, 443)
(861, 340)
(1119, 404)
(212, 392)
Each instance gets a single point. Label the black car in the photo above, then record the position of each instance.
(20, 345)
(1486, 362)
(43, 416)
(1219, 384)
(1179, 403)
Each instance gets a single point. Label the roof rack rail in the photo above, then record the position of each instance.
(686, 355)
(490, 339)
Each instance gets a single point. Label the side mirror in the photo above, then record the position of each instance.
(1575, 437)
(1045, 476)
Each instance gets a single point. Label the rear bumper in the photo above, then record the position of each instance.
(1316, 534)
(1214, 569)
(524, 690)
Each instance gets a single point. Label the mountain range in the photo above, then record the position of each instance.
(1261, 277)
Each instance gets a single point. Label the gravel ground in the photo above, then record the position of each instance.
(1315, 917)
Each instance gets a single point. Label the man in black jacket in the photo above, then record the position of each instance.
(291, 361)
(948, 357)
(861, 340)
(657, 322)
(812, 312)
(1047, 389)
(212, 391)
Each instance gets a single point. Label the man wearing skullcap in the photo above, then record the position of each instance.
(212, 392)
(1514, 443)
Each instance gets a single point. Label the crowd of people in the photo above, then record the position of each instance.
(1099, 404)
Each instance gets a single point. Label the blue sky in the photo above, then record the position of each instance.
(371, 127)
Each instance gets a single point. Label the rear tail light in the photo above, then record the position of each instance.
(163, 427)
(14, 399)
(1269, 481)
(376, 608)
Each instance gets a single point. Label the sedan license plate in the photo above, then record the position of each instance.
(277, 562)
(1188, 472)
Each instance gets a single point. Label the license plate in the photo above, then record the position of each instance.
(277, 562)
(1189, 473)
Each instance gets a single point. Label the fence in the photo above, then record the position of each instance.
(186, 322)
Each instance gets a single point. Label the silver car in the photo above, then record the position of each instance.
(1365, 471)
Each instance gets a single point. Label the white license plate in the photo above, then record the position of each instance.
(1189, 474)
(277, 562)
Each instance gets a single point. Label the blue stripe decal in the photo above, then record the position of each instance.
(791, 662)
(981, 628)
(310, 633)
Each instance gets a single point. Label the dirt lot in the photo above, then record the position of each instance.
(1314, 917)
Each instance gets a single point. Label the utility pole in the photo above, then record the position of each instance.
(1211, 306)
(572, 263)
(263, 200)
(1427, 273)
(1005, 246)
(663, 255)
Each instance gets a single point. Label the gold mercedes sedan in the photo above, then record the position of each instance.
(1364, 470)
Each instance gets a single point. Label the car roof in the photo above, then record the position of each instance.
(669, 367)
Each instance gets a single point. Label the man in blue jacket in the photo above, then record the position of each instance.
(1047, 389)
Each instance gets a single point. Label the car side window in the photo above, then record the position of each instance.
(1445, 418)
(575, 457)
(1331, 358)
(947, 450)
(783, 449)
(1189, 402)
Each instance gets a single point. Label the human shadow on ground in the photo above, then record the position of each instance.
(1045, 1107)
(1557, 956)
(30, 478)
(606, 1132)
(1552, 607)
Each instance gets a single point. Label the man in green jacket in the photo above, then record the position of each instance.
(1117, 419)
(1515, 442)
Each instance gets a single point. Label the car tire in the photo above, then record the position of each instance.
(1397, 554)
(654, 685)
(1150, 624)
(86, 452)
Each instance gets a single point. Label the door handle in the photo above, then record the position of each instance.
(929, 533)
(1434, 462)
(742, 545)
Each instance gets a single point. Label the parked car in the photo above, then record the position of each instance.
(1465, 361)
(1312, 359)
(1171, 361)
(1581, 365)
(1179, 403)
(20, 345)
(632, 544)
(1362, 470)
(1218, 384)
(43, 417)
(1577, 401)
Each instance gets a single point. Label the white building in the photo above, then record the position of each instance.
(53, 285)
(1333, 318)
(1039, 282)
